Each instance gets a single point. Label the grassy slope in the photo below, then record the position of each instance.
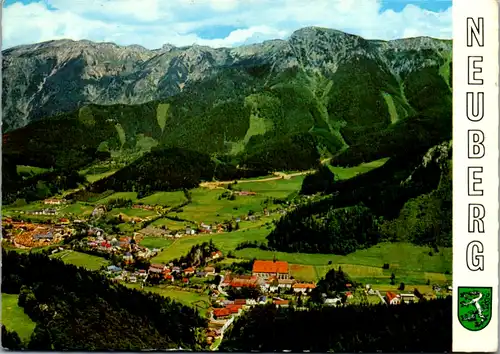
(79, 259)
(411, 264)
(349, 172)
(190, 298)
(14, 318)
(225, 242)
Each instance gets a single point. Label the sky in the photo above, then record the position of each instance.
(216, 23)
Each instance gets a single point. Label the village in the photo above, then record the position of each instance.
(230, 293)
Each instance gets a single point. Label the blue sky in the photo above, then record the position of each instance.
(216, 23)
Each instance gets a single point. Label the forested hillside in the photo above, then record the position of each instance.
(421, 327)
(247, 111)
(60, 297)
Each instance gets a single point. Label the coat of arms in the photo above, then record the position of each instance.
(474, 307)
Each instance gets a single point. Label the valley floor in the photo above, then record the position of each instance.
(162, 228)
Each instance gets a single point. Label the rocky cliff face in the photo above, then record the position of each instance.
(49, 78)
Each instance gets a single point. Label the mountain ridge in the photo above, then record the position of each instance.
(54, 77)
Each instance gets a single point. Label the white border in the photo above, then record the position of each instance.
(482, 268)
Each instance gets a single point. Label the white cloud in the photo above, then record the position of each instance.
(152, 23)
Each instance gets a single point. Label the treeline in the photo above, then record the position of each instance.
(338, 231)
(75, 309)
(40, 186)
(333, 284)
(161, 169)
(197, 255)
(295, 152)
(421, 327)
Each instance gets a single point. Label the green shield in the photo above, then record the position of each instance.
(474, 307)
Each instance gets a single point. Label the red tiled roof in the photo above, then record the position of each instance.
(189, 269)
(241, 282)
(240, 301)
(185, 280)
(160, 266)
(233, 308)
(280, 302)
(270, 267)
(389, 295)
(222, 312)
(303, 286)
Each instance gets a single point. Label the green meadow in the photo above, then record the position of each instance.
(224, 241)
(156, 242)
(14, 318)
(199, 301)
(349, 172)
(79, 259)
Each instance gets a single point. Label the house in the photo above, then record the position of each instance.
(240, 301)
(190, 231)
(205, 226)
(128, 258)
(49, 211)
(176, 269)
(407, 298)
(226, 280)
(114, 269)
(168, 277)
(185, 280)
(54, 201)
(133, 279)
(209, 270)
(267, 269)
(48, 236)
(392, 298)
(349, 295)
(64, 221)
(303, 287)
(189, 271)
(244, 282)
(281, 303)
(246, 193)
(216, 255)
(157, 268)
(235, 309)
(221, 313)
(285, 283)
(332, 302)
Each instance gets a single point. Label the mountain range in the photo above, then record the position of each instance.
(45, 79)
(321, 93)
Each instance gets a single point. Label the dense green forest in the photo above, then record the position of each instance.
(60, 297)
(421, 327)
(387, 203)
